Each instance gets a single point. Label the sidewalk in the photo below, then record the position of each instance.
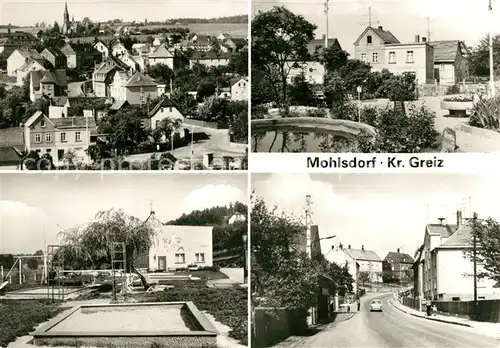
(488, 329)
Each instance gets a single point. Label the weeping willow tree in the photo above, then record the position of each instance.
(90, 245)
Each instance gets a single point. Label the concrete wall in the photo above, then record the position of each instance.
(273, 325)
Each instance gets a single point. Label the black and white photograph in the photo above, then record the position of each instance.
(401, 76)
(373, 260)
(144, 85)
(139, 261)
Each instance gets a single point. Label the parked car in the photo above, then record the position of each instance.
(376, 306)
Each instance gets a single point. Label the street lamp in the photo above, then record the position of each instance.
(359, 89)
(492, 78)
(245, 266)
(474, 252)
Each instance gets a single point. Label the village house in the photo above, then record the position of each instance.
(209, 59)
(59, 107)
(118, 49)
(382, 50)
(164, 109)
(131, 62)
(60, 136)
(30, 66)
(136, 89)
(19, 58)
(158, 40)
(10, 41)
(82, 55)
(237, 217)
(442, 271)
(313, 70)
(178, 247)
(55, 57)
(451, 63)
(398, 266)
(340, 257)
(162, 55)
(102, 47)
(103, 74)
(202, 43)
(234, 44)
(141, 48)
(11, 148)
(239, 89)
(368, 261)
(48, 83)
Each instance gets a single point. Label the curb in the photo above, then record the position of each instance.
(430, 318)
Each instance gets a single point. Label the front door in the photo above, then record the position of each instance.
(162, 263)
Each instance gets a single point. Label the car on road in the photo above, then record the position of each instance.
(376, 306)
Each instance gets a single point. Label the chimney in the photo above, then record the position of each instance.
(380, 27)
(442, 221)
(333, 247)
(349, 247)
(459, 218)
(324, 37)
(398, 250)
(363, 247)
(417, 38)
(341, 246)
(424, 39)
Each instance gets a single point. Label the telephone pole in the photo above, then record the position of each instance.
(492, 77)
(327, 8)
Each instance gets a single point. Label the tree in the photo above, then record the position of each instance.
(487, 233)
(91, 244)
(38, 253)
(167, 127)
(364, 277)
(300, 91)
(56, 29)
(333, 58)
(161, 73)
(214, 109)
(401, 88)
(238, 123)
(238, 63)
(355, 73)
(32, 263)
(280, 37)
(479, 59)
(185, 102)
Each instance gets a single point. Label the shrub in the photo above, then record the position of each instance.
(453, 90)
(486, 114)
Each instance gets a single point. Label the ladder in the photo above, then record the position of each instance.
(55, 261)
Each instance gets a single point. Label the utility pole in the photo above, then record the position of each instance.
(492, 77)
(308, 225)
(327, 8)
(428, 29)
(474, 252)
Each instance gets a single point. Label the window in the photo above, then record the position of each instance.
(42, 124)
(392, 57)
(38, 138)
(63, 137)
(363, 57)
(170, 109)
(78, 136)
(180, 258)
(409, 56)
(157, 124)
(48, 137)
(60, 155)
(375, 57)
(369, 40)
(161, 109)
(200, 257)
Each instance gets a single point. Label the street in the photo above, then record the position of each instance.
(393, 328)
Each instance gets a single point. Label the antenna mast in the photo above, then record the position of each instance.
(370, 22)
(327, 8)
(308, 224)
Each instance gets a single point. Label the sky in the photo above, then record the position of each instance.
(15, 11)
(31, 203)
(383, 212)
(465, 20)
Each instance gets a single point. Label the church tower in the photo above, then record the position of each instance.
(66, 22)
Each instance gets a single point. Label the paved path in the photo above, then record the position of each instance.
(393, 328)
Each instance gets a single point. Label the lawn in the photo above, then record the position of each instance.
(204, 275)
(20, 317)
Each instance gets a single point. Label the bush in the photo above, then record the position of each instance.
(486, 114)
(459, 98)
(453, 90)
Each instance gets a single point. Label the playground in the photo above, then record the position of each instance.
(117, 308)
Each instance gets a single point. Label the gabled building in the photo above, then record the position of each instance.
(239, 89)
(202, 43)
(135, 89)
(48, 83)
(20, 57)
(102, 47)
(81, 55)
(368, 262)
(339, 256)
(30, 66)
(55, 57)
(118, 49)
(162, 55)
(451, 64)
(58, 136)
(164, 109)
(442, 271)
(382, 50)
(398, 266)
(103, 74)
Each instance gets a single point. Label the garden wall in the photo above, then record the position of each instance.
(480, 132)
(273, 325)
(489, 310)
(439, 90)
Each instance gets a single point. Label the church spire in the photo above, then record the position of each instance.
(66, 12)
